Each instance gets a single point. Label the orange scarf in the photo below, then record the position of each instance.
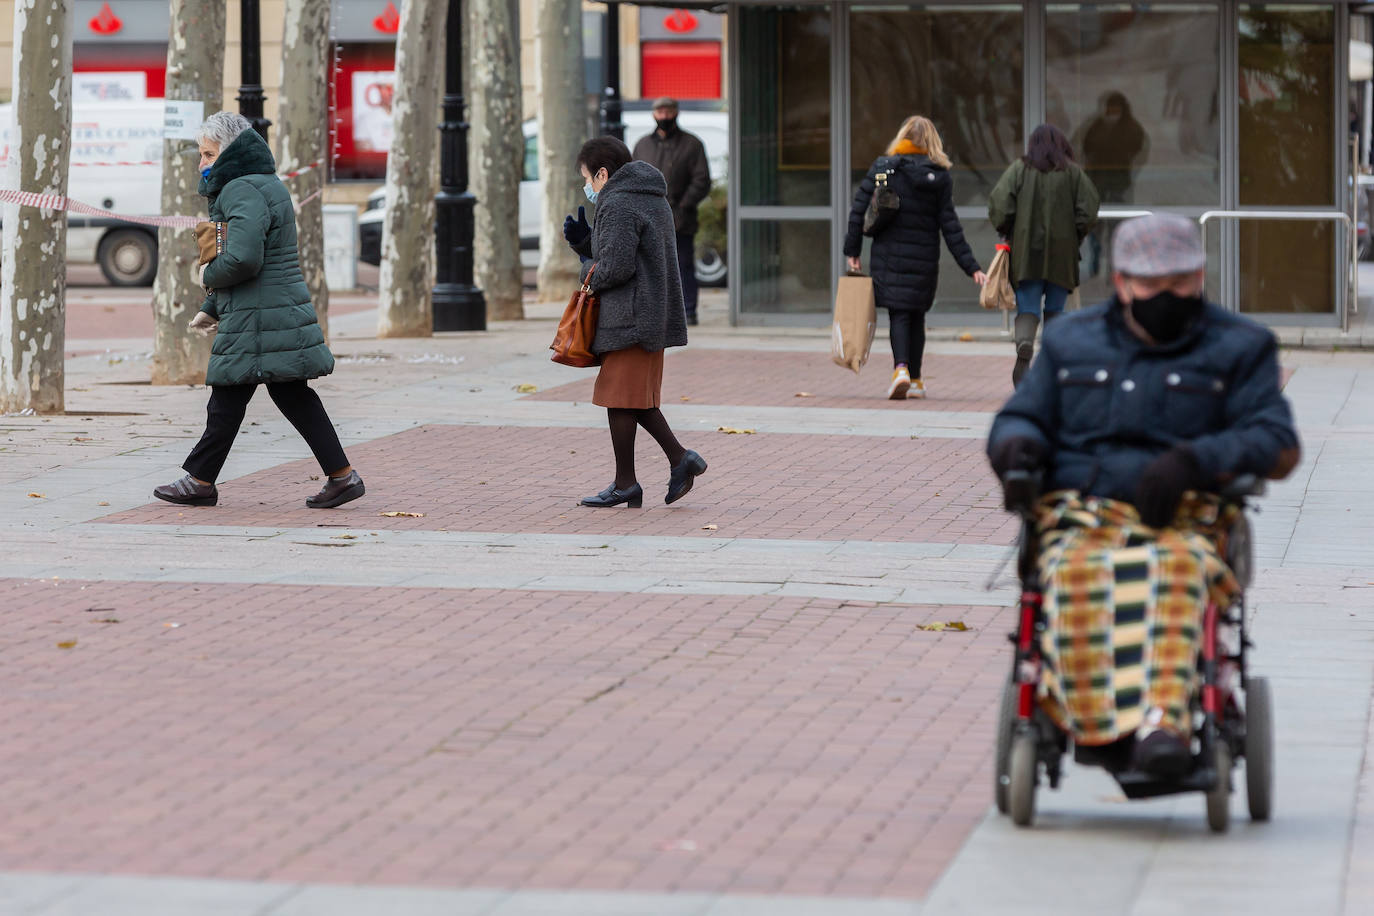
(907, 148)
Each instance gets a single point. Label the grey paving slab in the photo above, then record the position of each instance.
(139, 896)
(337, 900)
(574, 903)
(28, 893)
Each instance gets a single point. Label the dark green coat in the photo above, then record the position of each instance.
(1046, 215)
(267, 326)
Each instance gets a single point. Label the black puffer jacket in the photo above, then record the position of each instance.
(905, 260)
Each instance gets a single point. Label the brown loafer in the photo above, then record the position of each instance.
(337, 491)
(186, 492)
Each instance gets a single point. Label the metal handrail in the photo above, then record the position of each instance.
(1352, 287)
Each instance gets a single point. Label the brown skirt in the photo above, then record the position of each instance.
(631, 378)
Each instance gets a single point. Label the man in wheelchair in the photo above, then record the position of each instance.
(1136, 412)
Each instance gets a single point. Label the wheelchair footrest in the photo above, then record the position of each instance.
(1135, 784)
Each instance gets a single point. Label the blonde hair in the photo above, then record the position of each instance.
(922, 133)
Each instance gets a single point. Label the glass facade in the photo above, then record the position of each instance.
(1181, 107)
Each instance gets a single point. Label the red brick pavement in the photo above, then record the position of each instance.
(528, 479)
(483, 738)
(766, 378)
(91, 317)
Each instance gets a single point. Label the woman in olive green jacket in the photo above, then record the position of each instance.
(1046, 206)
(258, 303)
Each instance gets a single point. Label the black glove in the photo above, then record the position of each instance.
(1163, 483)
(1017, 453)
(577, 231)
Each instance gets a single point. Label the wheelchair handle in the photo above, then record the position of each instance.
(1242, 486)
(1021, 491)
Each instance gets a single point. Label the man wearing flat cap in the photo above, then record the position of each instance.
(1136, 412)
(681, 157)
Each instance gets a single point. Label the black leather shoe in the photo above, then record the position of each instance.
(612, 497)
(1162, 755)
(692, 320)
(337, 491)
(186, 492)
(684, 472)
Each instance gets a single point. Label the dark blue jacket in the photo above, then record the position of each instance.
(1106, 404)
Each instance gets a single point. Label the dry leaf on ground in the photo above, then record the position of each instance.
(941, 626)
(345, 537)
(709, 527)
(526, 388)
(803, 394)
(37, 496)
(401, 514)
(966, 337)
(733, 431)
(67, 644)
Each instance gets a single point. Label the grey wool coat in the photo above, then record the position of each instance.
(634, 248)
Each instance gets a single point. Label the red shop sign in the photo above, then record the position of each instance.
(106, 22)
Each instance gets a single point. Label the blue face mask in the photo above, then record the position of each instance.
(591, 195)
(205, 172)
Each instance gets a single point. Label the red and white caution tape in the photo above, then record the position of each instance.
(57, 202)
(91, 165)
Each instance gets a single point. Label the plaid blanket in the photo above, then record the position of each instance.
(1123, 604)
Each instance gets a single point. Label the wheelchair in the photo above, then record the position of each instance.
(1232, 711)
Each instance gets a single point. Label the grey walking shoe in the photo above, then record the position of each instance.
(337, 491)
(186, 492)
(1025, 327)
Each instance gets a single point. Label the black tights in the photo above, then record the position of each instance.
(623, 422)
(908, 332)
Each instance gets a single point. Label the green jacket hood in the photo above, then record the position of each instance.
(248, 154)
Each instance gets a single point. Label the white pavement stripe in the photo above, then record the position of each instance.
(118, 895)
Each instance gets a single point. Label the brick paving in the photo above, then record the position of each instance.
(766, 378)
(528, 479)
(492, 738)
(103, 317)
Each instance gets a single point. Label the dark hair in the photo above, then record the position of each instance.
(1048, 150)
(603, 153)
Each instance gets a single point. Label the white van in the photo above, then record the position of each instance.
(116, 165)
(713, 127)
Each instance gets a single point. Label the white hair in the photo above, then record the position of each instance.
(223, 128)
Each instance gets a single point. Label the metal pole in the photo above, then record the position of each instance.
(250, 95)
(610, 96)
(458, 304)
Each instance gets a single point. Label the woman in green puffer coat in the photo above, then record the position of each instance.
(257, 301)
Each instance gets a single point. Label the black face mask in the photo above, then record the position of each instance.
(667, 125)
(1166, 316)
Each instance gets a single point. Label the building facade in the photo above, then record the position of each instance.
(1181, 107)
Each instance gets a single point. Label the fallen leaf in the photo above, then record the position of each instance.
(67, 644)
(732, 431)
(401, 514)
(940, 627)
(102, 504)
(82, 439)
(108, 620)
(526, 388)
(966, 337)
(345, 537)
(803, 394)
(709, 527)
(37, 496)
(171, 626)
(684, 398)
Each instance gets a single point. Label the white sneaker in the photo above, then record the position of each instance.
(901, 381)
(918, 390)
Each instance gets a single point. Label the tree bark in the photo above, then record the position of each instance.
(406, 307)
(195, 72)
(562, 127)
(498, 143)
(303, 134)
(33, 286)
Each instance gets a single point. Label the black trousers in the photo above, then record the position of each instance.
(908, 332)
(687, 268)
(224, 415)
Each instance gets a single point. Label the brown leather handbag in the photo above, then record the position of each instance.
(210, 240)
(572, 345)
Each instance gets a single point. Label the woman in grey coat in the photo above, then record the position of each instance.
(633, 255)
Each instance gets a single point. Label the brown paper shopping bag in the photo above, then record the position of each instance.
(997, 293)
(856, 318)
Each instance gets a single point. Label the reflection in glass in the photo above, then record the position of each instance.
(784, 267)
(1286, 134)
(959, 66)
(1136, 89)
(784, 106)
(957, 293)
(1095, 263)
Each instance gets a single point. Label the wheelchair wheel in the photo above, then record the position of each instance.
(1219, 796)
(1021, 768)
(1259, 748)
(1001, 776)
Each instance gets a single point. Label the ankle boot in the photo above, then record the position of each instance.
(1024, 336)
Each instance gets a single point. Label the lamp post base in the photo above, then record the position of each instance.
(459, 308)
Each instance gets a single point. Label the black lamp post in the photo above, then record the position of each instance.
(458, 304)
(610, 96)
(251, 96)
